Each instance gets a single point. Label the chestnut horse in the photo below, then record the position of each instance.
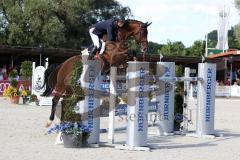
(115, 54)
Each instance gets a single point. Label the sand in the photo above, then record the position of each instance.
(23, 137)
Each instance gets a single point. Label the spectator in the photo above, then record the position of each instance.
(5, 76)
(228, 83)
(4, 69)
(221, 83)
(1, 76)
(235, 83)
(10, 69)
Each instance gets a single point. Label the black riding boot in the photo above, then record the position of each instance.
(93, 51)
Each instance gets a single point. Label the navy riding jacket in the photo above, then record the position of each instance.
(108, 27)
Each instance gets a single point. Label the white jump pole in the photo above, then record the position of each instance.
(186, 100)
(138, 87)
(112, 104)
(165, 97)
(191, 91)
(33, 68)
(90, 82)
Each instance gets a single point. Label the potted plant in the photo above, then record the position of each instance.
(33, 100)
(24, 95)
(12, 93)
(26, 74)
(13, 89)
(74, 133)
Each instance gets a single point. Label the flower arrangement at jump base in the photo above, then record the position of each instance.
(26, 74)
(12, 91)
(25, 95)
(73, 132)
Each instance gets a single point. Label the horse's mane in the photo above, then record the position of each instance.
(133, 20)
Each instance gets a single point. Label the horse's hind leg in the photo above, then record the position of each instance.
(53, 110)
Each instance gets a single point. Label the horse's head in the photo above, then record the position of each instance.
(138, 30)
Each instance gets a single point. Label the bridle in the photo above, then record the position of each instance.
(139, 33)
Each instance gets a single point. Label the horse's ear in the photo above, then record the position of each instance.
(148, 24)
(145, 25)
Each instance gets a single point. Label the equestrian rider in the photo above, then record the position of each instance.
(98, 30)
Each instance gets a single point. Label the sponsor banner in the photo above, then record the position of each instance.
(4, 85)
(223, 91)
(235, 91)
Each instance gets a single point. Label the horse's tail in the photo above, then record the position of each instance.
(50, 79)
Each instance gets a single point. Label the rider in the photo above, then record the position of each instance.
(98, 30)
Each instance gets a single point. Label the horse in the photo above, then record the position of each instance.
(115, 54)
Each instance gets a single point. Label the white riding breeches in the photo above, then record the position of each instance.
(103, 47)
(96, 40)
(94, 37)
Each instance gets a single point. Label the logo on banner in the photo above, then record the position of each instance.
(38, 79)
(167, 72)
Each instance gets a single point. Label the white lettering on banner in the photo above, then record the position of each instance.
(166, 95)
(3, 86)
(208, 95)
(5, 83)
(166, 102)
(141, 100)
(91, 97)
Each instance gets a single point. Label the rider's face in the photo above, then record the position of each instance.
(120, 24)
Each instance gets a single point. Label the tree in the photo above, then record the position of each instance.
(233, 38)
(197, 49)
(237, 4)
(154, 48)
(173, 48)
(54, 23)
(212, 39)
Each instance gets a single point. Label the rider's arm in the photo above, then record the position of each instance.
(110, 33)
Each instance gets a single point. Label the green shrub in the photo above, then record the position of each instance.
(13, 74)
(26, 70)
(70, 101)
(14, 83)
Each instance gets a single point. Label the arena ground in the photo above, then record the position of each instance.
(23, 137)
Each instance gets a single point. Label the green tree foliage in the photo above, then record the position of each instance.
(54, 23)
(154, 48)
(173, 48)
(233, 38)
(26, 70)
(212, 39)
(197, 49)
(234, 41)
(237, 4)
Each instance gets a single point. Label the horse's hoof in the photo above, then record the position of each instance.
(48, 124)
